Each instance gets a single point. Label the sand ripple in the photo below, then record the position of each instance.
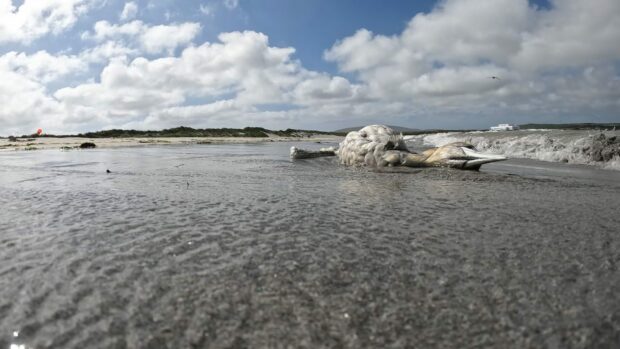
(242, 248)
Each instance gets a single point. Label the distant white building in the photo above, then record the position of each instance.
(504, 127)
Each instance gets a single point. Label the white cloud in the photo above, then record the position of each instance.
(41, 66)
(25, 104)
(467, 31)
(207, 10)
(222, 111)
(152, 39)
(242, 64)
(162, 38)
(231, 4)
(130, 10)
(575, 33)
(320, 89)
(107, 51)
(559, 64)
(105, 30)
(34, 19)
(362, 51)
(233, 76)
(443, 59)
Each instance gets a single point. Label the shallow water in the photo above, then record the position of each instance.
(236, 246)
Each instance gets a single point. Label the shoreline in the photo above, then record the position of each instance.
(73, 143)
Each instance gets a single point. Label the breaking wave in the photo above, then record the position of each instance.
(600, 149)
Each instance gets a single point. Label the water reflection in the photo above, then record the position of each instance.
(16, 344)
(376, 191)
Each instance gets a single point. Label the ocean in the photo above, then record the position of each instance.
(233, 246)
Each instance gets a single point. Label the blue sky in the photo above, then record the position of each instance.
(79, 65)
(309, 26)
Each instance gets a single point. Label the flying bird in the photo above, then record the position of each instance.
(494, 78)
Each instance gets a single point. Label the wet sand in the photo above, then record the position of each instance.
(68, 143)
(237, 246)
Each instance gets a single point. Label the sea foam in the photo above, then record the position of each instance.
(600, 149)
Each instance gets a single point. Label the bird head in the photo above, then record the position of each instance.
(459, 155)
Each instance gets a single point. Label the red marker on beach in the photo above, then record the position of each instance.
(39, 131)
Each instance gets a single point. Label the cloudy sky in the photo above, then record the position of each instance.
(82, 65)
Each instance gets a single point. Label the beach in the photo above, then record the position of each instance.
(235, 245)
(316, 174)
(68, 143)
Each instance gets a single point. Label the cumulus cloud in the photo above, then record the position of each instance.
(105, 30)
(34, 19)
(445, 58)
(162, 38)
(241, 61)
(241, 64)
(105, 52)
(152, 39)
(222, 111)
(241, 72)
(575, 33)
(558, 63)
(26, 104)
(24, 96)
(318, 89)
(130, 10)
(41, 66)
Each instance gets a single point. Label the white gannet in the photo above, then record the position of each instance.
(379, 145)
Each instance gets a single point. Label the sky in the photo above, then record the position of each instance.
(71, 66)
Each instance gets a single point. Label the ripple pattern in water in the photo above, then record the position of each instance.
(232, 246)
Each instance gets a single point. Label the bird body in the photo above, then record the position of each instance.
(379, 145)
(373, 145)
